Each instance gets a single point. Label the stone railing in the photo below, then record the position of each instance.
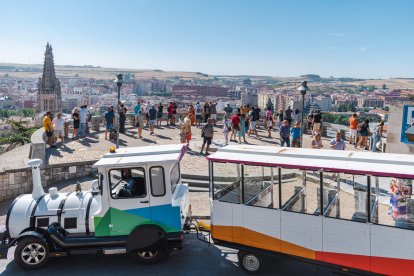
(19, 181)
(38, 145)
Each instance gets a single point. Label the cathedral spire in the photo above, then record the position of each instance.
(49, 93)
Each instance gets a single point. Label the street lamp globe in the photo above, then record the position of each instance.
(303, 88)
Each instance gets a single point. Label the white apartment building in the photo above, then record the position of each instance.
(324, 102)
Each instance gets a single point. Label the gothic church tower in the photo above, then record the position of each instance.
(49, 94)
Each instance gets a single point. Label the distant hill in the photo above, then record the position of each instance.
(89, 71)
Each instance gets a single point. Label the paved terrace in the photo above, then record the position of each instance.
(95, 145)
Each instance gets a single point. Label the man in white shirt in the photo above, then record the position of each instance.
(58, 128)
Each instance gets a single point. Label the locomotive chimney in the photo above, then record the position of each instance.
(37, 183)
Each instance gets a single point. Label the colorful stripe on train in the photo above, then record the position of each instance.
(122, 222)
(245, 236)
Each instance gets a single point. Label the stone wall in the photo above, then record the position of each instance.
(19, 181)
(394, 145)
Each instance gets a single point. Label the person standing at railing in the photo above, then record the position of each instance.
(229, 110)
(284, 132)
(206, 112)
(198, 114)
(48, 127)
(317, 122)
(83, 117)
(242, 130)
(269, 121)
(226, 129)
(353, 129)
(159, 114)
(288, 115)
(280, 118)
(213, 112)
(364, 132)
(310, 121)
(58, 129)
(152, 117)
(295, 131)
(75, 117)
(170, 111)
(376, 136)
(109, 120)
(137, 108)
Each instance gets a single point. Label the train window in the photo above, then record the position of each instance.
(346, 196)
(127, 183)
(175, 176)
(392, 202)
(226, 182)
(261, 186)
(301, 191)
(157, 181)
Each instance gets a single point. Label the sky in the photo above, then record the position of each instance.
(353, 38)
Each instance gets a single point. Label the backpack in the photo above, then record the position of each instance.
(207, 131)
(198, 109)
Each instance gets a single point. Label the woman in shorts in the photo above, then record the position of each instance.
(364, 133)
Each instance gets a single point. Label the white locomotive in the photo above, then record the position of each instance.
(138, 205)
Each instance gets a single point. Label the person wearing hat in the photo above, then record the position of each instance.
(152, 117)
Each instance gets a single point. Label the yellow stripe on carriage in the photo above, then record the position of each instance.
(245, 236)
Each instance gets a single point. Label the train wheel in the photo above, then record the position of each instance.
(31, 253)
(149, 256)
(250, 262)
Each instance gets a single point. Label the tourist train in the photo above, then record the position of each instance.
(351, 210)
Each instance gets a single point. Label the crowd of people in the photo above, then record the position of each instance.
(237, 124)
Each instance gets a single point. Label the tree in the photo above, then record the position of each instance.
(19, 135)
(247, 82)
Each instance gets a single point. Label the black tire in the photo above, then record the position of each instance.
(149, 256)
(31, 253)
(251, 263)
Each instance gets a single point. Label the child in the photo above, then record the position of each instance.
(180, 121)
(295, 131)
(182, 134)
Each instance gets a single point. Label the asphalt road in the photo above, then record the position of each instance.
(196, 258)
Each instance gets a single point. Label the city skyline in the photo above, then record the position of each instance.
(355, 39)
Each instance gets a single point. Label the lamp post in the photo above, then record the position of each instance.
(118, 81)
(303, 88)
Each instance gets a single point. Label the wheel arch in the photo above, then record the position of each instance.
(30, 233)
(147, 236)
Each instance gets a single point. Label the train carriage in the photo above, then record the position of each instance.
(352, 209)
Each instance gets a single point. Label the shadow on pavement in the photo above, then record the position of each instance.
(163, 137)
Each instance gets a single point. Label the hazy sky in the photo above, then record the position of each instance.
(355, 38)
